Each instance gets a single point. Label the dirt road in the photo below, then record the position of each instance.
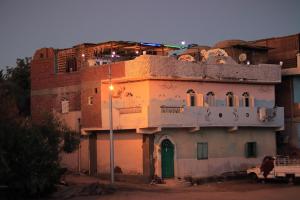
(228, 190)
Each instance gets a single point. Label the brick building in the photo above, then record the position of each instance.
(171, 118)
(286, 51)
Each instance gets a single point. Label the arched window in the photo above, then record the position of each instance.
(191, 98)
(210, 99)
(246, 99)
(230, 99)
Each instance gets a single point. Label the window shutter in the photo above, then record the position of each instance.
(236, 101)
(227, 100)
(252, 102)
(188, 100)
(200, 100)
(250, 150)
(64, 106)
(254, 149)
(202, 151)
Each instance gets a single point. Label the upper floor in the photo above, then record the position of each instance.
(165, 85)
(158, 92)
(51, 68)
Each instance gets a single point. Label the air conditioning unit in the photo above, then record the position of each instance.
(271, 113)
(262, 114)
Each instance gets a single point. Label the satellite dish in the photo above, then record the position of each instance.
(186, 57)
(242, 57)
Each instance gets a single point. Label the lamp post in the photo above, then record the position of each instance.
(111, 137)
(79, 125)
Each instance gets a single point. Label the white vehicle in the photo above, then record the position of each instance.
(283, 168)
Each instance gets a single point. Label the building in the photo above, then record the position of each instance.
(171, 118)
(243, 51)
(286, 51)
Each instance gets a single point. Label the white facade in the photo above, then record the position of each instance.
(225, 107)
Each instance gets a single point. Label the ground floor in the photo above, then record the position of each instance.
(174, 153)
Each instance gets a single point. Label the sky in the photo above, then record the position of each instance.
(27, 25)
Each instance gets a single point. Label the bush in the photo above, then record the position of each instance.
(29, 156)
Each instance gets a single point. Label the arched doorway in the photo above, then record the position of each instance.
(167, 159)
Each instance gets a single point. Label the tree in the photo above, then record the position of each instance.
(18, 79)
(29, 153)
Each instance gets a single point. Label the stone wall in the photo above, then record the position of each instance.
(147, 66)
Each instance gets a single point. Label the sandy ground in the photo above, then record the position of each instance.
(241, 189)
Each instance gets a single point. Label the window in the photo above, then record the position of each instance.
(191, 98)
(210, 99)
(230, 99)
(96, 90)
(64, 106)
(90, 100)
(71, 64)
(246, 99)
(202, 151)
(250, 150)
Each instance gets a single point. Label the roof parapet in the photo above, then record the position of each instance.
(148, 66)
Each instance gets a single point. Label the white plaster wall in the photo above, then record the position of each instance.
(128, 151)
(163, 66)
(226, 151)
(149, 95)
(173, 93)
(126, 95)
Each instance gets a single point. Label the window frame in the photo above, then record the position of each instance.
(246, 98)
(71, 64)
(204, 154)
(230, 99)
(210, 98)
(90, 100)
(65, 106)
(253, 152)
(192, 97)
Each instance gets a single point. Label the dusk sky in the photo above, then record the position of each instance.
(27, 25)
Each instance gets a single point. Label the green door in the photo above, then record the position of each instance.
(167, 159)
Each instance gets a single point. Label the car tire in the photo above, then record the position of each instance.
(253, 177)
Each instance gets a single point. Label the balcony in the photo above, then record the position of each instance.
(157, 117)
(215, 117)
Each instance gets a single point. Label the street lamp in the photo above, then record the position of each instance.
(111, 137)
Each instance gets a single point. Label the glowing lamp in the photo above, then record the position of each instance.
(111, 87)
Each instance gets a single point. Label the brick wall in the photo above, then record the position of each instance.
(43, 72)
(50, 88)
(44, 83)
(90, 80)
(282, 49)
